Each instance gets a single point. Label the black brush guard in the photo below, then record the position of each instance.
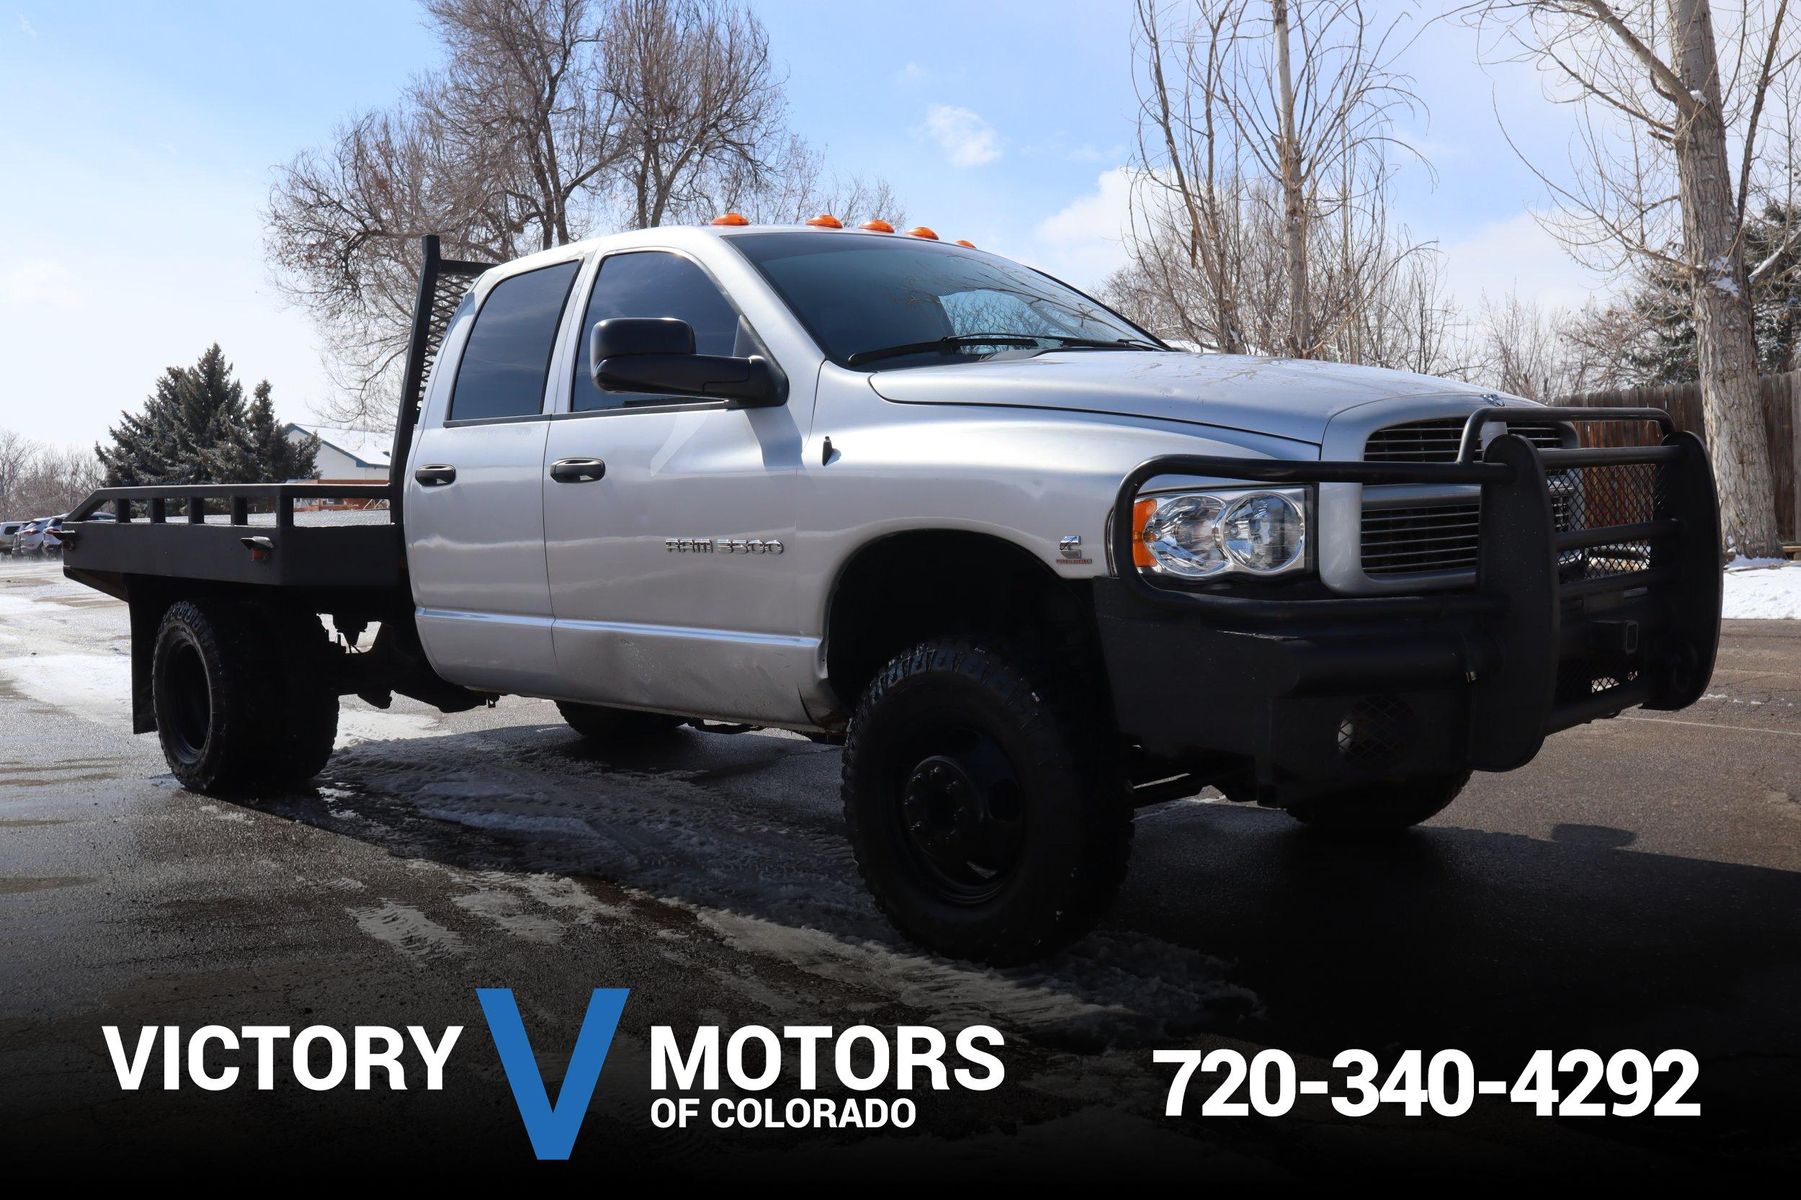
(1620, 608)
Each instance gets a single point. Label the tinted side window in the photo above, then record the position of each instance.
(507, 357)
(651, 283)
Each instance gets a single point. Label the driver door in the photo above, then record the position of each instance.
(667, 569)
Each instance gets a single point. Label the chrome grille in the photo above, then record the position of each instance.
(1417, 538)
(1437, 440)
(1439, 535)
(1420, 537)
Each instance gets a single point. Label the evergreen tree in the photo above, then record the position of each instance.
(1777, 297)
(1664, 349)
(196, 428)
(280, 458)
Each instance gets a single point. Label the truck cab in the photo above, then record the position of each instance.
(1032, 566)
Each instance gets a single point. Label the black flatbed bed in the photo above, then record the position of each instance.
(278, 548)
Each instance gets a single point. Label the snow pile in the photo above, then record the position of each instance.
(1763, 588)
(93, 686)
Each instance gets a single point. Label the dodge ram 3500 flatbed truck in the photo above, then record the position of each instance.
(1033, 566)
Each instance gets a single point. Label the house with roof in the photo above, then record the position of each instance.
(345, 455)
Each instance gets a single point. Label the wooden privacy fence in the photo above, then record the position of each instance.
(1780, 396)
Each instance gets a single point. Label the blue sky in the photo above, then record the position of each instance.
(137, 141)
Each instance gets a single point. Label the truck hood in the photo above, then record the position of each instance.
(1285, 397)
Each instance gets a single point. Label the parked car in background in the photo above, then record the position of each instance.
(41, 536)
(30, 537)
(9, 532)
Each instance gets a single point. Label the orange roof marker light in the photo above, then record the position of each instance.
(966, 242)
(730, 219)
(877, 226)
(825, 221)
(920, 231)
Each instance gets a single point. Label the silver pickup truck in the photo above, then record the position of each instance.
(1033, 567)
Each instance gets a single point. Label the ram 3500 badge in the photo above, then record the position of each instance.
(1034, 567)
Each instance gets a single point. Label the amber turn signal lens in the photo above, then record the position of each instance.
(1142, 511)
(877, 226)
(730, 219)
(825, 221)
(966, 242)
(920, 231)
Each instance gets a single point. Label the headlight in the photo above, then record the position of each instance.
(1200, 535)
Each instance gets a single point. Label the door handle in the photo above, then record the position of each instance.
(436, 475)
(578, 470)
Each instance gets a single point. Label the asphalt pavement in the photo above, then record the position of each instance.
(1635, 886)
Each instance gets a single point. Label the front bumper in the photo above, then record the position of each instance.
(1562, 627)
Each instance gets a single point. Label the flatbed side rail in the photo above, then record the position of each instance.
(151, 502)
(233, 533)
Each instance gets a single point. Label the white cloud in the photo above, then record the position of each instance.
(1084, 241)
(39, 284)
(912, 73)
(1517, 255)
(26, 27)
(967, 139)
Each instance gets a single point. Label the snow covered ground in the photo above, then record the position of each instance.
(1763, 588)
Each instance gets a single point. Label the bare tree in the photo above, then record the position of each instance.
(38, 480)
(501, 152)
(523, 100)
(700, 101)
(1403, 317)
(796, 185)
(1676, 151)
(550, 120)
(342, 236)
(1265, 134)
(1544, 353)
(16, 453)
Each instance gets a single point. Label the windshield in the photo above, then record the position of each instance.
(895, 301)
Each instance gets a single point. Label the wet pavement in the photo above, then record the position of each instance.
(1636, 886)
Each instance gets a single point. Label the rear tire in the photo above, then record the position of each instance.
(987, 813)
(617, 726)
(1380, 807)
(243, 697)
(308, 726)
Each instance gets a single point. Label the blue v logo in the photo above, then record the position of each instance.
(552, 1127)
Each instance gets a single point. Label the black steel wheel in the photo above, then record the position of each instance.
(986, 811)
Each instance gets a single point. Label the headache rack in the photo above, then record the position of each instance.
(250, 532)
(1623, 599)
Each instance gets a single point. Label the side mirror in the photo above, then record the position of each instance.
(655, 355)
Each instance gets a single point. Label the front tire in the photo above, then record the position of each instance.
(1380, 807)
(984, 804)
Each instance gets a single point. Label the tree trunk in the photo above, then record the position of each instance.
(1726, 345)
(1294, 206)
